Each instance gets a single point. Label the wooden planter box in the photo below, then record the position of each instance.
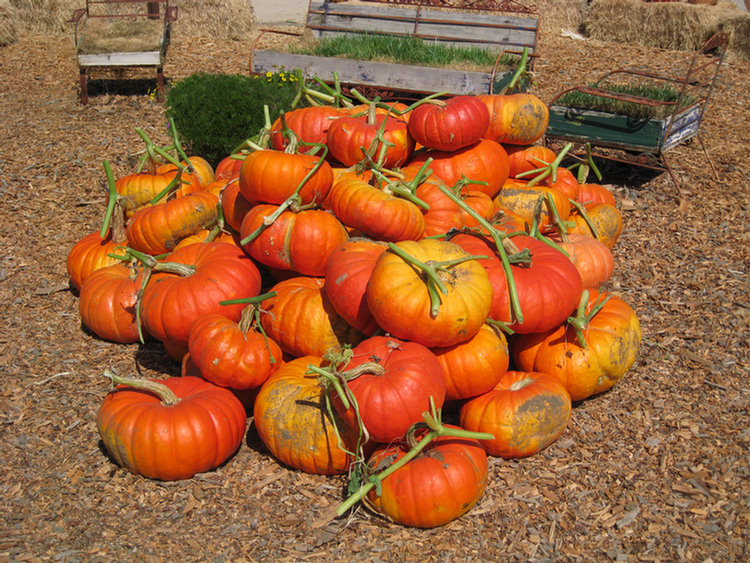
(623, 132)
(398, 77)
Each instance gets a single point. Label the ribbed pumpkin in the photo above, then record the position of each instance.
(485, 162)
(271, 176)
(475, 366)
(302, 320)
(108, 301)
(292, 421)
(347, 272)
(525, 412)
(376, 213)
(232, 354)
(612, 337)
(515, 119)
(171, 429)
(157, 229)
(399, 296)
(444, 481)
(449, 125)
(297, 241)
(201, 276)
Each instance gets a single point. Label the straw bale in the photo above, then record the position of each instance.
(665, 25)
(8, 23)
(222, 19)
(225, 19)
(559, 15)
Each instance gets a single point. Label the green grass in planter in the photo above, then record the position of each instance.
(661, 93)
(404, 50)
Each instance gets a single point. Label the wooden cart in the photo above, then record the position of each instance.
(122, 33)
(641, 141)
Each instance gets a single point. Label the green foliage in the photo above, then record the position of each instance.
(215, 113)
(404, 50)
(657, 92)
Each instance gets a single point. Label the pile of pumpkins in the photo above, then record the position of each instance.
(347, 279)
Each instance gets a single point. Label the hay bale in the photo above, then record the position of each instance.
(559, 15)
(8, 23)
(228, 19)
(665, 25)
(739, 42)
(224, 19)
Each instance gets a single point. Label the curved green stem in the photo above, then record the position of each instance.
(291, 200)
(499, 240)
(434, 284)
(548, 169)
(169, 188)
(521, 71)
(167, 397)
(589, 223)
(436, 430)
(581, 320)
(111, 200)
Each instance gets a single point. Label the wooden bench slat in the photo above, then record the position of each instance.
(389, 75)
(513, 42)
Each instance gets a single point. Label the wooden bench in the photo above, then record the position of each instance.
(122, 33)
(500, 26)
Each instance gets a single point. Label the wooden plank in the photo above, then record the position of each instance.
(514, 44)
(320, 11)
(339, 25)
(684, 126)
(466, 28)
(145, 58)
(396, 76)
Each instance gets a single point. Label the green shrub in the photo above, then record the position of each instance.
(215, 113)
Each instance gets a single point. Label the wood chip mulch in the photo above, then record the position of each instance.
(657, 469)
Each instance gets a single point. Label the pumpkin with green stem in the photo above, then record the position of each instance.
(272, 176)
(157, 229)
(590, 352)
(483, 166)
(436, 475)
(300, 241)
(294, 423)
(192, 282)
(381, 214)
(381, 139)
(525, 412)
(170, 429)
(393, 384)
(234, 354)
(301, 319)
(107, 304)
(429, 291)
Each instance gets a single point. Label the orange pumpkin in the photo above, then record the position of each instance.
(612, 337)
(292, 421)
(475, 366)
(525, 412)
(516, 119)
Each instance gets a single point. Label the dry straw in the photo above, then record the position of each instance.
(8, 23)
(666, 25)
(222, 19)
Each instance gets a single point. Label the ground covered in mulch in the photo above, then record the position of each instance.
(654, 470)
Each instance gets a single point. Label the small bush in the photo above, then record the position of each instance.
(215, 113)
